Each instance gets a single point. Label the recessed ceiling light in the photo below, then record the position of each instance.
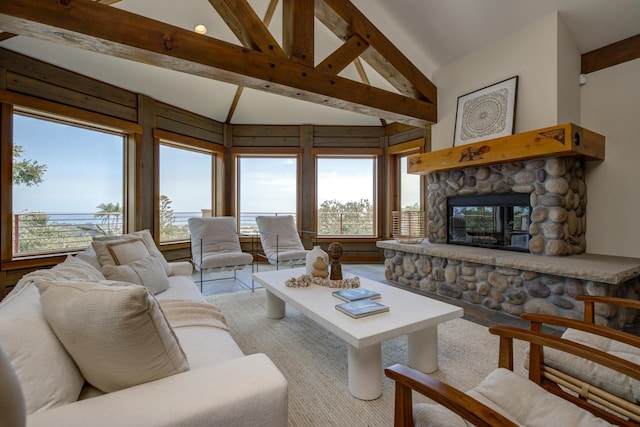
(200, 29)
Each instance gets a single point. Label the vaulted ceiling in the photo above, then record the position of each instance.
(335, 62)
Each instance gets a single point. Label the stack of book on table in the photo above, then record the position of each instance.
(359, 302)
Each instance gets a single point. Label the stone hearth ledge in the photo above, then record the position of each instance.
(599, 268)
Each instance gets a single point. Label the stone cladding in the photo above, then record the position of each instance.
(558, 197)
(510, 290)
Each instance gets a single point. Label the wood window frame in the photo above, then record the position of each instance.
(176, 140)
(378, 189)
(392, 177)
(256, 152)
(12, 102)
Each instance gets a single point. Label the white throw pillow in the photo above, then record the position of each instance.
(76, 268)
(146, 271)
(48, 376)
(114, 331)
(146, 237)
(120, 251)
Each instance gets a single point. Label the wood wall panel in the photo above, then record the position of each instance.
(266, 141)
(187, 130)
(189, 118)
(37, 88)
(345, 142)
(266, 131)
(57, 76)
(347, 131)
(408, 135)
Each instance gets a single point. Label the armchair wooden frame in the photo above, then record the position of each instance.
(470, 409)
(584, 390)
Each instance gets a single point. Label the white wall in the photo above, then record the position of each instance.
(533, 53)
(545, 57)
(610, 105)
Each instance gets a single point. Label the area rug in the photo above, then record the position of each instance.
(314, 361)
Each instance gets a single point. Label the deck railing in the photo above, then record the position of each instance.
(45, 232)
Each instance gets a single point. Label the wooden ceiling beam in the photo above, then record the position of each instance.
(344, 19)
(363, 76)
(127, 35)
(298, 31)
(247, 26)
(343, 56)
(236, 97)
(610, 55)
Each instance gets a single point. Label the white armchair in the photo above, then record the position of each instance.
(215, 246)
(280, 241)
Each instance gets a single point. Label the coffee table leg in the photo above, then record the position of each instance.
(365, 372)
(423, 349)
(275, 307)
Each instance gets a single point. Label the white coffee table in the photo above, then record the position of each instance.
(409, 314)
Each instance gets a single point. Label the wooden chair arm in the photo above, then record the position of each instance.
(604, 331)
(408, 379)
(590, 300)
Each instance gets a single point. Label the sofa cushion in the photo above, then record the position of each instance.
(146, 237)
(47, 373)
(114, 331)
(147, 272)
(13, 411)
(75, 268)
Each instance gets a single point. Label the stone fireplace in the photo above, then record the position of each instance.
(547, 167)
(557, 195)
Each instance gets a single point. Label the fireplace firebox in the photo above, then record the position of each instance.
(499, 221)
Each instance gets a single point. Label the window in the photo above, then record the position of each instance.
(186, 189)
(346, 195)
(409, 187)
(68, 184)
(267, 185)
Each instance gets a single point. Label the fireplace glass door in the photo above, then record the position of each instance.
(498, 221)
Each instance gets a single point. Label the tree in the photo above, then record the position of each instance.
(168, 229)
(27, 172)
(350, 218)
(110, 214)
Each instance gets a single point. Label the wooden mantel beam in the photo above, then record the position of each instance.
(93, 26)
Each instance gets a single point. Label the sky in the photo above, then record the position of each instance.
(93, 161)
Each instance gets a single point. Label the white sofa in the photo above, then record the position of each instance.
(217, 385)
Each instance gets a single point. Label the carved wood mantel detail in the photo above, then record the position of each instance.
(557, 141)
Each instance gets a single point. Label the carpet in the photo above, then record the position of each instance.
(314, 361)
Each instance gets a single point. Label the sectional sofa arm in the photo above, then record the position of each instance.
(181, 268)
(248, 391)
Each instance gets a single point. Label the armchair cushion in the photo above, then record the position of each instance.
(115, 332)
(600, 376)
(504, 391)
(215, 244)
(280, 239)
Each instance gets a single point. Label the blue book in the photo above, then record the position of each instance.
(355, 294)
(361, 308)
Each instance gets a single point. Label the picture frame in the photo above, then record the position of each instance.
(486, 113)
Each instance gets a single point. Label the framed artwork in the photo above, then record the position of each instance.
(486, 113)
